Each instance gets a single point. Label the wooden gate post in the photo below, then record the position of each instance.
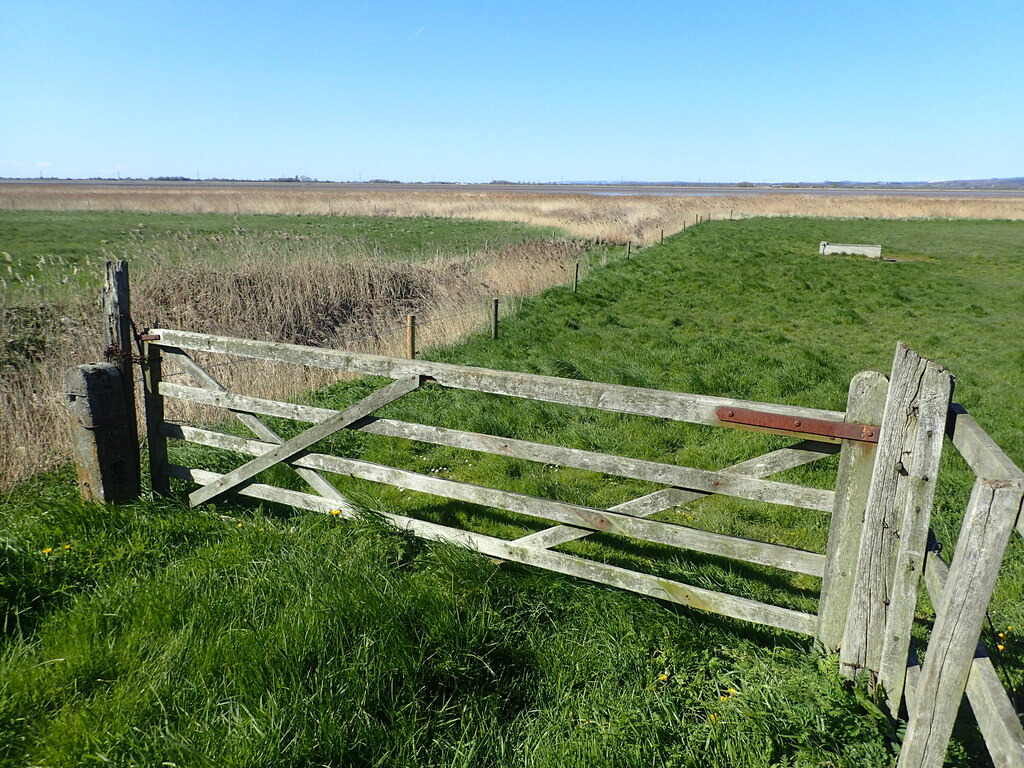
(106, 456)
(894, 536)
(152, 368)
(118, 343)
(865, 405)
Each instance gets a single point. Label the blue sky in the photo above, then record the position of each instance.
(524, 91)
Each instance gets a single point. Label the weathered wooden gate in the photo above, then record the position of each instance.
(889, 438)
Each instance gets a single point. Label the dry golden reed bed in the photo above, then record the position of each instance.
(304, 291)
(616, 218)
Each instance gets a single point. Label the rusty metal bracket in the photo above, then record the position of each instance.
(794, 425)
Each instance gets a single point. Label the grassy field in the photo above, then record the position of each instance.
(244, 634)
(617, 218)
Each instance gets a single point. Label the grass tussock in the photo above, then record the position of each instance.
(637, 218)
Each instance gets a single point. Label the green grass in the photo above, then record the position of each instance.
(245, 634)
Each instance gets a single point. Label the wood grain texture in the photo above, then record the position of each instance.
(915, 520)
(981, 452)
(316, 481)
(154, 406)
(678, 406)
(960, 613)
(301, 442)
(604, 521)
(659, 501)
(601, 573)
(865, 403)
(725, 483)
(994, 712)
(897, 470)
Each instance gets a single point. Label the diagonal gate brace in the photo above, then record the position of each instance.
(316, 481)
(301, 442)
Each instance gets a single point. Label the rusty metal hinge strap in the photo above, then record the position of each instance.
(842, 430)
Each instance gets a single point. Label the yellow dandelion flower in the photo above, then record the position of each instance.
(714, 717)
(240, 525)
(732, 691)
(1001, 647)
(335, 512)
(663, 677)
(723, 698)
(1002, 635)
(67, 546)
(47, 550)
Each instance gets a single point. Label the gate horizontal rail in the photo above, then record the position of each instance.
(889, 440)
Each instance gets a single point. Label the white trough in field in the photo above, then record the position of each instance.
(871, 251)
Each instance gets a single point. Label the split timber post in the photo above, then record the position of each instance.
(105, 446)
(576, 279)
(894, 534)
(494, 319)
(118, 344)
(101, 402)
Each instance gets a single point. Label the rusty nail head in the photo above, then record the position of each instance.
(797, 423)
(732, 413)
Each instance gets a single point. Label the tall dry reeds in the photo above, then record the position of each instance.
(616, 218)
(264, 287)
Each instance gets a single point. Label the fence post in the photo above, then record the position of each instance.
(936, 392)
(494, 319)
(118, 343)
(629, 248)
(959, 615)
(896, 521)
(106, 458)
(152, 375)
(410, 337)
(865, 405)
(576, 279)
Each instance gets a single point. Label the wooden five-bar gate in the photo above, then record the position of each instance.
(890, 439)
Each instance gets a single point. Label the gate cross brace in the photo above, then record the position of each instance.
(666, 498)
(301, 442)
(316, 481)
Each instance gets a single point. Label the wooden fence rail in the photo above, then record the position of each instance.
(890, 440)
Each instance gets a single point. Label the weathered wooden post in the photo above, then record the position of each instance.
(494, 319)
(118, 343)
(994, 507)
(865, 404)
(104, 440)
(894, 534)
(152, 367)
(410, 336)
(629, 248)
(576, 279)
